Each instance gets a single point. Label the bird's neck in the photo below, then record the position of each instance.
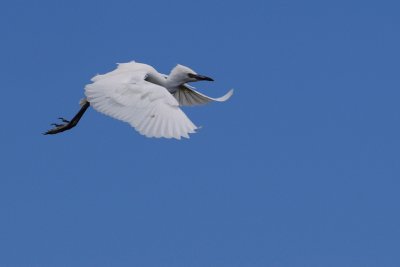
(172, 82)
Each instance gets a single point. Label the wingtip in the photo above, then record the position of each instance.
(226, 96)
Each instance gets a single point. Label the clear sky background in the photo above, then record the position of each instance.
(299, 168)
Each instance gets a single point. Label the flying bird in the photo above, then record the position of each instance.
(146, 99)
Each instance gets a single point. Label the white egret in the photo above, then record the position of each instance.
(149, 101)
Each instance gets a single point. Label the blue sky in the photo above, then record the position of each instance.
(299, 168)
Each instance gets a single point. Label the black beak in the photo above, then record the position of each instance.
(200, 77)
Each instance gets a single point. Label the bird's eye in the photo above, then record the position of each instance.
(191, 75)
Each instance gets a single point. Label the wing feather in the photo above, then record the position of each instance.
(124, 94)
(186, 95)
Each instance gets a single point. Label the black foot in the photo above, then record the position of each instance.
(58, 128)
(63, 120)
(66, 125)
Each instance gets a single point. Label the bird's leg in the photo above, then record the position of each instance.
(67, 125)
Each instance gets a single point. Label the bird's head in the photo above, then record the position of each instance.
(183, 74)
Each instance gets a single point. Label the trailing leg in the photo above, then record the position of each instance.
(67, 125)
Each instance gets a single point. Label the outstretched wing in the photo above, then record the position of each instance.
(148, 107)
(186, 95)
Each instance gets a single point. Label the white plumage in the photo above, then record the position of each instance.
(149, 101)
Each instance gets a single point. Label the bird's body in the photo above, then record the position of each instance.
(148, 100)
